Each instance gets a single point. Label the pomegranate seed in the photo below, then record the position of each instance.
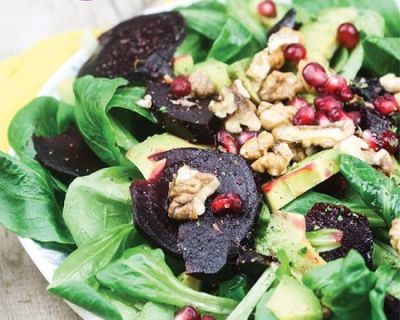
(322, 119)
(267, 9)
(390, 142)
(327, 103)
(371, 139)
(187, 313)
(227, 142)
(298, 102)
(227, 202)
(295, 52)
(304, 116)
(244, 137)
(334, 84)
(347, 35)
(315, 74)
(345, 95)
(207, 317)
(385, 104)
(181, 87)
(337, 114)
(355, 116)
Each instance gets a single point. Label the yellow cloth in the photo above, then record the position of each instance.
(23, 75)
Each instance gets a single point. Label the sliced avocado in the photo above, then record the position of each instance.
(287, 232)
(238, 70)
(140, 154)
(183, 65)
(217, 71)
(291, 300)
(325, 30)
(301, 178)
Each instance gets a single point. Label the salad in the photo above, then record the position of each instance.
(226, 160)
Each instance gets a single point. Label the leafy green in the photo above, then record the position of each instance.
(262, 312)
(44, 116)
(28, 204)
(246, 306)
(235, 288)
(194, 44)
(376, 189)
(382, 55)
(152, 311)
(74, 278)
(96, 203)
(385, 254)
(343, 280)
(232, 40)
(205, 17)
(354, 63)
(142, 274)
(387, 9)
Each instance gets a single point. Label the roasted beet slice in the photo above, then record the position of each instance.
(207, 244)
(141, 47)
(288, 21)
(66, 155)
(392, 308)
(369, 89)
(357, 233)
(371, 119)
(189, 119)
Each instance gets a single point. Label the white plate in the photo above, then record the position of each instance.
(47, 260)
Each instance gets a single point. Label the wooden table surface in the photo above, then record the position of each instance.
(23, 293)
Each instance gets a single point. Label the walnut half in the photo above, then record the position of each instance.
(275, 115)
(188, 192)
(394, 234)
(278, 86)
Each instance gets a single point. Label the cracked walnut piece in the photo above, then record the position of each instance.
(188, 193)
(325, 136)
(391, 83)
(201, 84)
(394, 234)
(360, 149)
(258, 146)
(275, 115)
(280, 85)
(276, 162)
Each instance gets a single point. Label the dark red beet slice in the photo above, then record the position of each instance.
(357, 233)
(392, 308)
(141, 47)
(369, 89)
(193, 123)
(207, 244)
(67, 154)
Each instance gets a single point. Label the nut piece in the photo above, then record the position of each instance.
(390, 82)
(146, 102)
(284, 37)
(188, 193)
(256, 147)
(275, 115)
(225, 105)
(245, 115)
(360, 149)
(201, 84)
(325, 136)
(276, 162)
(280, 85)
(397, 98)
(394, 234)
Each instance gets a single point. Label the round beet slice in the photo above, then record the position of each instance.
(193, 121)
(139, 48)
(206, 245)
(357, 233)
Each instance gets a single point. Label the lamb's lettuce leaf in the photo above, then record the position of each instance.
(194, 44)
(152, 311)
(385, 254)
(28, 203)
(99, 202)
(142, 274)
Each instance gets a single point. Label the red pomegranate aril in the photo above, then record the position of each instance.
(304, 116)
(181, 87)
(207, 317)
(327, 103)
(385, 104)
(355, 116)
(371, 139)
(348, 36)
(315, 74)
(227, 202)
(267, 9)
(295, 52)
(227, 142)
(187, 313)
(337, 114)
(345, 94)
(298, 102)
(334, 84)
(245, 136)
(390, 142)
(322, 119)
